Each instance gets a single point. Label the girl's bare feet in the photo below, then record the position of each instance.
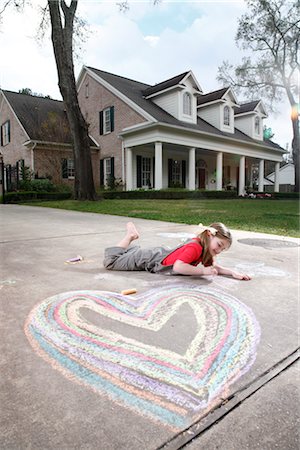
(131, 235)
(132, 231)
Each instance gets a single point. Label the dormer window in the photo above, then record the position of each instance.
(257, 125)
(226, 116)
(187, 104)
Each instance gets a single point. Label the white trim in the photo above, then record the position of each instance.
(187, 141)
(108, 86)
(171, 88)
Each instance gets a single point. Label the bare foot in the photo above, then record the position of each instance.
(132, 232)
(131, 235)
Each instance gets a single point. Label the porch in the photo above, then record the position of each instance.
(163, 165)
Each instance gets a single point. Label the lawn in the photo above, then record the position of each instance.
(262, 215)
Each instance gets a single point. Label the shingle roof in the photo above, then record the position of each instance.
(134, 90)
(43, 119)
(174, 81)
(246, 107)
(211, 96)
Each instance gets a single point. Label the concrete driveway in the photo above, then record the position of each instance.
(199, 363)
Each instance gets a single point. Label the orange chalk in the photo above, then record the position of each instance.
(128, 291)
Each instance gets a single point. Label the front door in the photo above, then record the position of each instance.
(201, 178)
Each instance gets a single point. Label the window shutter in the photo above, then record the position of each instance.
(112, 118)
(64, 168)
(1, 135)
(101, 122)
(183, 173)
(170, 172)
(101, 172)
(8, 126)
(112, 166)
(138, 171)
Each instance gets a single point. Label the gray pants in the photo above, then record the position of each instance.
(135, 258)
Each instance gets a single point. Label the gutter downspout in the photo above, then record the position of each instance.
(32, 156)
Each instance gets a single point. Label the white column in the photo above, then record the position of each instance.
(192, 168)
(276, 180)
(129, 176)
(158, 166)
(219, 171)
(261, 175)
(242, 176)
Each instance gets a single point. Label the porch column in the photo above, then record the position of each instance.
(192, 168)
(158, 166)
(242, 176)
(129, 177)
(276, 179)
(219, 171)
(261, 175)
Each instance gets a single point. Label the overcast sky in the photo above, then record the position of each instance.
(147, 43)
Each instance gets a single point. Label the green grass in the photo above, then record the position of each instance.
(268, 216)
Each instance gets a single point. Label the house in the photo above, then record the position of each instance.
(286, 178)
(170, 134)
(35, 133)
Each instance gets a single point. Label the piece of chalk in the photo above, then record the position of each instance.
(128, 291)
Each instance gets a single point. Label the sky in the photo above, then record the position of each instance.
(149, 43)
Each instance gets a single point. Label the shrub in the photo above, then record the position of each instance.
(24, 196)
(39, 185)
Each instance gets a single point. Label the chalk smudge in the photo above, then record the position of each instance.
(158, 383)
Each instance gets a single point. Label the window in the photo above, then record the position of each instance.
(106, 118)
(176, 172)
(226, 118)
(107, 169)
(68, 169)
(87, 90)
(257, 125)
(187, 103)
(146, 171)
(5, 133)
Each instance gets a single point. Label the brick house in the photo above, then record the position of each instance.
(171, 134)
(167, 135)
(35, 132)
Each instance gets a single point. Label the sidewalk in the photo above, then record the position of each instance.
(143, 390)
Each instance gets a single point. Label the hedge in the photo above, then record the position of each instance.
(24, 196)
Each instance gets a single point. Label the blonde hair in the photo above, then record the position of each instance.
(217, 229)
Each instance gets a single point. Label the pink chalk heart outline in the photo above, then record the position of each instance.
(158, 383)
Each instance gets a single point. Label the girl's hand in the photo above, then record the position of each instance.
(241, 276)
(210, 270)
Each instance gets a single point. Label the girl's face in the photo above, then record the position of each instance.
(217, 245)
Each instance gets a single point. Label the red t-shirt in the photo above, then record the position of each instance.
(189, 253)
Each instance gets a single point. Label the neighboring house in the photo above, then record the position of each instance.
(167, 135)
(171, 134)
(286, 175)
(35, 133)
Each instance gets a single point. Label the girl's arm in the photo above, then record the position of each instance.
(187, 269)
(224, 271)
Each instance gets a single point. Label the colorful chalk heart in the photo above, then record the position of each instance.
(159, 383)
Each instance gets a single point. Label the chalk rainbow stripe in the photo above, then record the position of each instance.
(160, 384)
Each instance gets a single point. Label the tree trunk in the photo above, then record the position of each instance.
(62, 40)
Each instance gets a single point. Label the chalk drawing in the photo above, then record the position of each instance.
(157, 383)
(260, 270)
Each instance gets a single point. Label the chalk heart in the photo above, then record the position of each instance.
(168, 387)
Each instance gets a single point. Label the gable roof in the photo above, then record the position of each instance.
(43, 119)
(134, 91)
(212, 96)
(249, 108)
(171, 82)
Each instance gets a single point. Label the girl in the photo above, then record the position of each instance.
(184, 260)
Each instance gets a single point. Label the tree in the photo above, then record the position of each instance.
(270, 31)
(62, 30)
